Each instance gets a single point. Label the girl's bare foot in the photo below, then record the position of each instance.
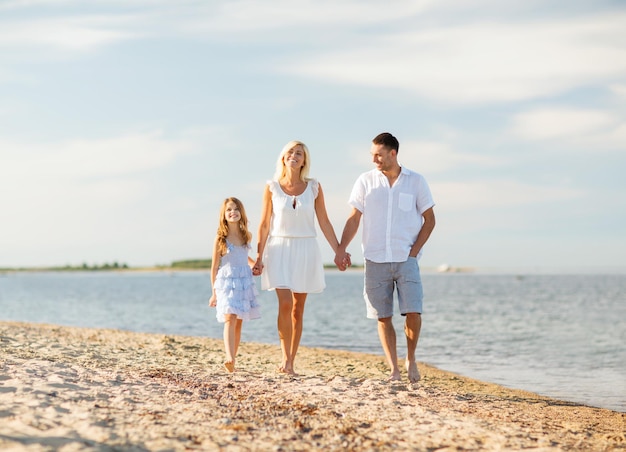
(230, 366)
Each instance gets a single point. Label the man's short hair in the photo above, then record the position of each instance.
(387, 140)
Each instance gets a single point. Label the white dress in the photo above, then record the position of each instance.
(235, 289)
(292, 256)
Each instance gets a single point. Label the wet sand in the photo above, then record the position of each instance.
(73, 389)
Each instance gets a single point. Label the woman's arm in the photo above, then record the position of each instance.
(264, 228)
(324, 222)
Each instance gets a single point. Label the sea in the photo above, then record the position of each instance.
(558, 335)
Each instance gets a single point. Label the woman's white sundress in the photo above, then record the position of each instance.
(235, 288)
(292, 256)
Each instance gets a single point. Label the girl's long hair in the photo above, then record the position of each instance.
(280, 164)
(222, 229)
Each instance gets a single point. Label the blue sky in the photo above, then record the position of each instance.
(123, 125)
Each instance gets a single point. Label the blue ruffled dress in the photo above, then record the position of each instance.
(235, 288)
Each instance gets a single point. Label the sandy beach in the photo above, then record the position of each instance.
(74, 389)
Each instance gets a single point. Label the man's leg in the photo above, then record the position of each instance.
(412, 327)
(387, 335)
(410, 295)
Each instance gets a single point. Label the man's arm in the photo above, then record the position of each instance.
(424, 234)
(342, 258)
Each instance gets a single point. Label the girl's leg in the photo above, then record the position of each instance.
(230, 336)
(238, 335)
(297, 319)
(285, 328)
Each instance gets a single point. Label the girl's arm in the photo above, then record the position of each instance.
(215, 265)
(264, 228)
(324, 222)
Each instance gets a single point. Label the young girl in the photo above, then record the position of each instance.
(234, 290)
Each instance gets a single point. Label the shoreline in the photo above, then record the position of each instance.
(88, 389)
(329, 268)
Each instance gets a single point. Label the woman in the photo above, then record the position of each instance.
(288, 253)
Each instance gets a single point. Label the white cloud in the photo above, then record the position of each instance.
(619, 90)
(551, 123)
(461, 196)
(67, 34)
(81, 192)
(69, 180)
(82, 159)
(487, 62)
(578, 128)
(243, 16)
(434, 157)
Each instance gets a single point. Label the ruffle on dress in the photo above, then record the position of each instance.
(235, 288)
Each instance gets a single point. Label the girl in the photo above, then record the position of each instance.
(234, 291)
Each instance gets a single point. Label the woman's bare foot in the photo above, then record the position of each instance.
(395, 376)
(284, 369)
(230, 366)
(411, 370)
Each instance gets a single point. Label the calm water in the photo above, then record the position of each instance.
(558, 335)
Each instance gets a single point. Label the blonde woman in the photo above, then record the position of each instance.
(289, 256)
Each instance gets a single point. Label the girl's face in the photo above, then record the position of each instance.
(294, 157)
(232, 213)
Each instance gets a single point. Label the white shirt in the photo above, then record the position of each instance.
(392, 216)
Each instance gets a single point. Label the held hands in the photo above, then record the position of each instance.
(258, 268)
(342, 260)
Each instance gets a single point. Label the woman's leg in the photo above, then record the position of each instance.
(297, 319)
(285, 328)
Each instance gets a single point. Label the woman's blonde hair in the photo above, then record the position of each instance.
(222, 229)
(280, 163)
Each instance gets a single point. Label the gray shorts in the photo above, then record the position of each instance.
(380, 281)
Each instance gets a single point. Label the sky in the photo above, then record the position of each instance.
(125, 124)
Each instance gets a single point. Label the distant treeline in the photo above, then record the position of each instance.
(83, 267)
(192, 263)
(181, 265)
(187, 264)
(86, 267)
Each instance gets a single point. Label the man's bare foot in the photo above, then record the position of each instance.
(413, 373)
(230, 366)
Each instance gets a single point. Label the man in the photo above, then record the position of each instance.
(397, 210)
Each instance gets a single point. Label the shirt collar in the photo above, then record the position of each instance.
(403, 170)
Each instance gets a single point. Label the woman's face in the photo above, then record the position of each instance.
(294, 157)
(232, 213)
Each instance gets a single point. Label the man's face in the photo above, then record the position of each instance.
(382, 157)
